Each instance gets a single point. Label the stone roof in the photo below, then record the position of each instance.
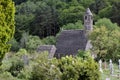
(88, 12)
(70, 41)
(50, 48)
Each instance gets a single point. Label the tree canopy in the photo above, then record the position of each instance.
(7, 11)
(105, 39)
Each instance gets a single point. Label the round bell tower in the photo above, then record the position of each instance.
(88, 20)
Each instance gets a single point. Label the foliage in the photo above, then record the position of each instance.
(7, 11)
(83, 54)
(14, 63)
(24, 39)
(7, 28)
(50, 40)
(42, 68)
(71, 14)
(14, 45)
(30, 42)
(21, 52)
(25, 73)
(17, 66)
(78, 69)
(19, 1)
(107, 23)
(45, 17)
(106, 43)
(66, 68)
(77, 25)
(33, 42)
(24, 16)
(37, 17)
(46, 69)
(13, 67)
(7, 76)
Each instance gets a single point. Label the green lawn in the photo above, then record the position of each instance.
(106, 73)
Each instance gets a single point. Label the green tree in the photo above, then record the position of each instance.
(37, 17)
(7, 11)
(24, 16)
(45, 22)
(107, 23)
(19, 1)
(106, 43)
(71, 14)
(77, 25)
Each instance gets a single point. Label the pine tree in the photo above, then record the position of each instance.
(7, 11)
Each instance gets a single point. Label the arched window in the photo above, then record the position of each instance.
(85, 17)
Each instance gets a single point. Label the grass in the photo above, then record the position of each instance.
(106, 73)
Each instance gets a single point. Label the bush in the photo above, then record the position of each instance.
(51, 40)
(17, 66)
(32, 43)
(45, 69)
(25, 73)
(13, 64)
(14, 45)
(83, 54)
(7, 76)
(78, 69)
(66, 68)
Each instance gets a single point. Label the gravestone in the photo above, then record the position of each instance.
(25, 59)
(111, 67)
(105, 65)
(107, 78)
(50, 48)
(100, 66)
(119, 64)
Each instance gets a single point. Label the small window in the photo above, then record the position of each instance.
(85, 17)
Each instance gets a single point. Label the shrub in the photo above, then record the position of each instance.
(78, 69)
(7, 11)
(66, 68)
(17, 66)
(13, 64)
(25, 73)
(45, 69)
(32, 43)
(51, 40)
(83, 54)
(7, 76)
(14, 45)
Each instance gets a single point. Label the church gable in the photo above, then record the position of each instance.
(70, 41)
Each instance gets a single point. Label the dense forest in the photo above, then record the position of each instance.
(46, 18)
(26, 24)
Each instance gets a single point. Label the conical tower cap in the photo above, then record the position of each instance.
(88, 12)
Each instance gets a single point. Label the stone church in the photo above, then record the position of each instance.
(70, 41)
